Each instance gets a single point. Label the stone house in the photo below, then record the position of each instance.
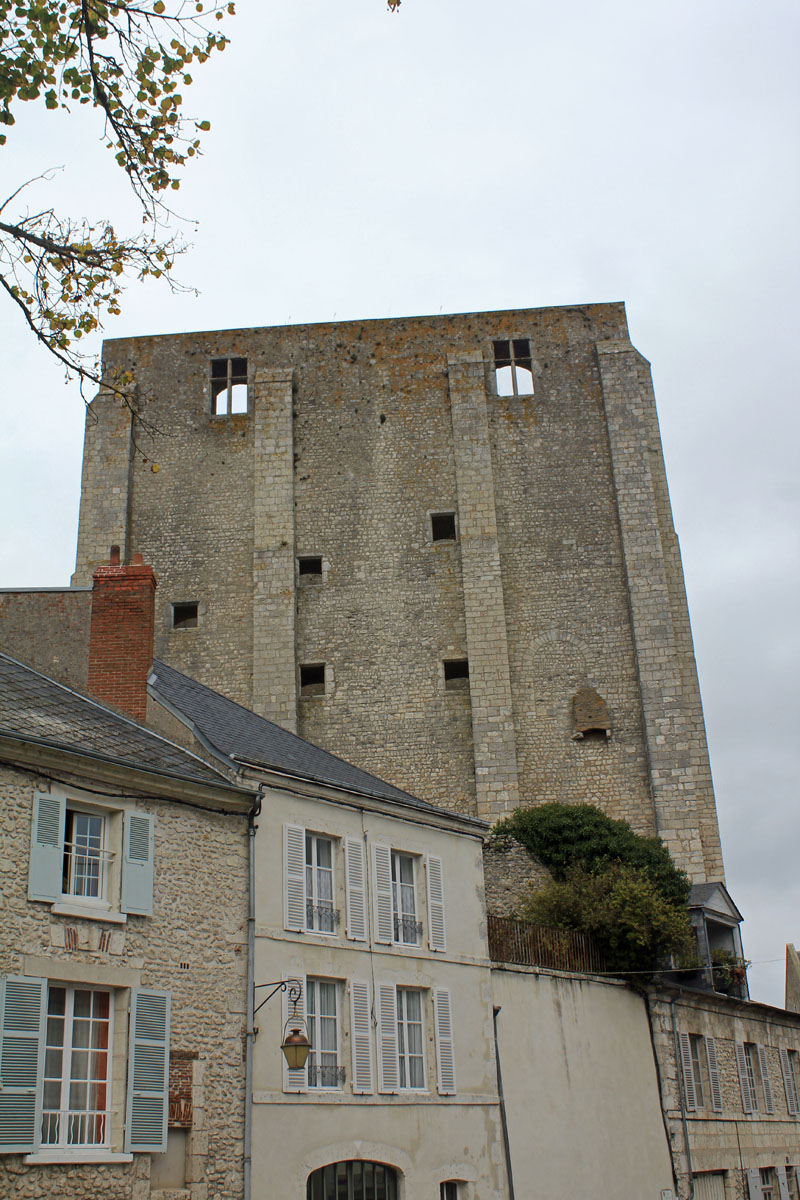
(123, 955)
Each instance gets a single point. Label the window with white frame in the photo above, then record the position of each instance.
(92, 857)
(792, 1184)
(321, 916)
(754, 1078)
(697, 1051)
(57, 1046)
(404, 900)
(86, 858)
(790, 1068)
(322, 1018)
(410, 1039)
(769, 1183)
(751, 1068)
(77, 1067)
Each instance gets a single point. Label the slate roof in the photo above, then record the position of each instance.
(245, 737)
(702, 893)
(38, 709)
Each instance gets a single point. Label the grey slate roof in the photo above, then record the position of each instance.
(245, 737)
(701, 893)
(38, 709)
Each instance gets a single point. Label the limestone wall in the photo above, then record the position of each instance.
(731, 1141)
(48, 630)
(563, 532)
(194, 945)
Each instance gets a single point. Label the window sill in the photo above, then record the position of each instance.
(88, 913)
(43, 1157)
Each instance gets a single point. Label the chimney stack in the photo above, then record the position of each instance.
(121, 637)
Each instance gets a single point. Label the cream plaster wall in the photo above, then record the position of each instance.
(580, 1087)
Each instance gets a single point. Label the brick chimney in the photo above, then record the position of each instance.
(121, 636)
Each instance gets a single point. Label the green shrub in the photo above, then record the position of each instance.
(620, 907)
(563, 836)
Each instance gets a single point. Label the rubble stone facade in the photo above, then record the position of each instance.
(301, 533)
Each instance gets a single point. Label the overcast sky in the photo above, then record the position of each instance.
(463, 155)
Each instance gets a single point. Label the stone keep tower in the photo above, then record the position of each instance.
(441, 547)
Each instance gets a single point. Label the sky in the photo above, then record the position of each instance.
(469, 156)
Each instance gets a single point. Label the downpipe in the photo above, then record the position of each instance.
(250, 1038)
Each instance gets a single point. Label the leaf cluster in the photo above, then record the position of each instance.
(130, 61)
(621, 909)
(562, 836)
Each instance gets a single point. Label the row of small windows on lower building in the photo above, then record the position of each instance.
(511, 358)
(701, 1078)
(763, 1183)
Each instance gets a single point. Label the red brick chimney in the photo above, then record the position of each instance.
(121, 637)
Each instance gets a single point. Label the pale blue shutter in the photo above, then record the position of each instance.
(388, 1065)
(294, 878)
(783, 1182)
(766, 1084)
(23, 1010)
(437, 938)
(754, 1183)
(713, 1075)
(687, 1071)
(445, 1056)
(790, 1085)
(384, 915)
(137, 864)
(46, 866)
(148, 1072)
(361, 1036)
(355, 872)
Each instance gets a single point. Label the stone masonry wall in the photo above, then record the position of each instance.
(731, 1141)
(510, 872)
(194, 945)
(49, 631)
(546, 590)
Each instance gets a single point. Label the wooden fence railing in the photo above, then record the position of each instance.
(540, 946)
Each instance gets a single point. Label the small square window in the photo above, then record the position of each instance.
(456, 674)
(513, 366)
(309, 567)
(312, 679)
(185, 616)
(228, 386)
(443, 527)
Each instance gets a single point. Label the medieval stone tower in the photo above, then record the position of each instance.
(441, 547)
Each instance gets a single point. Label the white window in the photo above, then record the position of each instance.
(321, 917)
(792, 1185)
(77, 1067)
(513, 367)
(322, 1019)
(410, 1039)
(404, 900)
(697, 1051)
(751, 1068)
(86, 858)
(751, 1061)
(57, 1047)
(769, 1184)
(92, 859)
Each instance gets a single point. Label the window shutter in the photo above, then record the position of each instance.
(687, 1071)
(382, 864)
(295, 1081)
(46, 866)
(137, 864)
(23, 1010)
(754, 1180)
(436, 927)
(713, 1075)
(356, 890)
(294, 881)
(790, 1085)
(148, 1072)
(783, 1182)
(388, 1067)
(445, 1058)
(744, 1082)
(766, 1085)
(361, 1036)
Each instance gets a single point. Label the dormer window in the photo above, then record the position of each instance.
(513, 367)
(228, 386)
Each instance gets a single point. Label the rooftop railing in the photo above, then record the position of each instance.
(532, 945)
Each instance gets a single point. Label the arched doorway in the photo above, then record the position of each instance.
(353, 1180)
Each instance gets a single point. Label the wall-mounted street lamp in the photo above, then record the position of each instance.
(295, 1045)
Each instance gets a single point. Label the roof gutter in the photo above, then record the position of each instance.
(171, 784)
